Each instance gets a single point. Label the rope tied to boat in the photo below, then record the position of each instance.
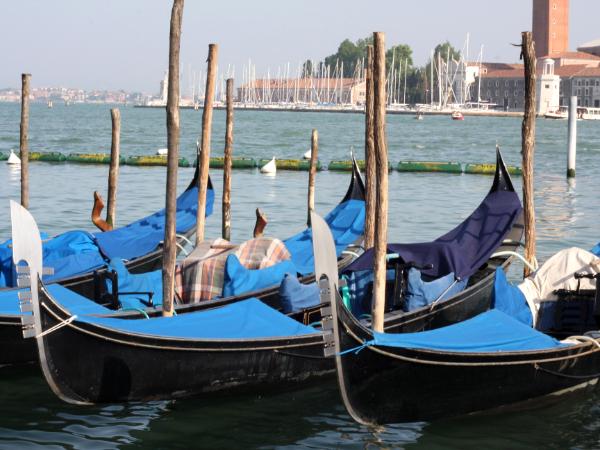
(356, 350)
(57, 326)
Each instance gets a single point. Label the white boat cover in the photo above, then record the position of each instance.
(558, 273)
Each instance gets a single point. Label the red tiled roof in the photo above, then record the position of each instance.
(589, 72)
(511, 73)
(572, 55)
(569, 71)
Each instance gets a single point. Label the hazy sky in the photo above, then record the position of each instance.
(123, 44)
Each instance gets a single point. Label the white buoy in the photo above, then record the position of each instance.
(269, 168)
(13, 158)
(162, 151)
(307, 154)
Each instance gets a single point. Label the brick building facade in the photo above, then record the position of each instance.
(550, 27)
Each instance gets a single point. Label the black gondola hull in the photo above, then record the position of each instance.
(91, 364)
(15, 351)
(389, 385)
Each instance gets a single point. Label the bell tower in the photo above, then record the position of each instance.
(550, 27)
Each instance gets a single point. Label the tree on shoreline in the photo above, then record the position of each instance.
(350, 56)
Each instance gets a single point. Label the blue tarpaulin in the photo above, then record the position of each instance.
(142, 236)
(347, 223)
(76, 252)
(464, 249)
(248, 319)
(75, 303)
(492, 331)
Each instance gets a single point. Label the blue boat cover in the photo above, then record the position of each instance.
(76, 252)
(347, 223)
(248, 319)
(141, 283)
(238, 279)
(142, 236)
(464, 249)
(510, 300)
(596, 249)
(75, 303)
(492, 331)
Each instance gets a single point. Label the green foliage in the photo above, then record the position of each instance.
(418, 82)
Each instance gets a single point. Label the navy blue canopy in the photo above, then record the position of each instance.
(464, 249)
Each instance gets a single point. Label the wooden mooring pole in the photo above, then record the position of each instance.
(204, 155)
(23, 144)
(370, 173)
(314, 155)
(113, 171)
(226, 206)
(528, 146)
(381, 216)
(170, 244)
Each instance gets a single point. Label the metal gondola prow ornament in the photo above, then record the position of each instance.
(27, 248)
(326, 274)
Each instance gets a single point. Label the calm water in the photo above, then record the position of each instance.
(423, 206)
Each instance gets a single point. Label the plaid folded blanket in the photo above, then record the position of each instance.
(201, 274)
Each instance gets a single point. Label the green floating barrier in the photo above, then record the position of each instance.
(346, 165)
(429, 166)
(290, 164)
(47, 156)
(93, 158)
(155, 160)
(3, 156)
(239, 162)
(490, 169)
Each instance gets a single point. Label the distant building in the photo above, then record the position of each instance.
(550, 27)
(582, 81)
(304, 90)
(503, 87)
(592, 47)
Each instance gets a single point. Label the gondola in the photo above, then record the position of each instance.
(347, 218)
(78, 259)
(495, 360)
(467, 257)
(90, 358)
(76, 255)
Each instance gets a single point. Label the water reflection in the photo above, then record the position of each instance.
(32, 416)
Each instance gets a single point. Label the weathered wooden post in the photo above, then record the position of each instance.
(379, 104)
(113, 171)
(204, 155)
(572, 149)
(314, 154)
(170, 245)
(528, 146)
(23, 144)
(226, 206)
(370, 174)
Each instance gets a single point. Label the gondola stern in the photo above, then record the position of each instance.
(194, 181)
(356, 190)
(502, 179)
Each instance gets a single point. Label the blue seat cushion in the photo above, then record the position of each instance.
(129, 282)
(296, 296)
(420, 293)
(239, 280)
